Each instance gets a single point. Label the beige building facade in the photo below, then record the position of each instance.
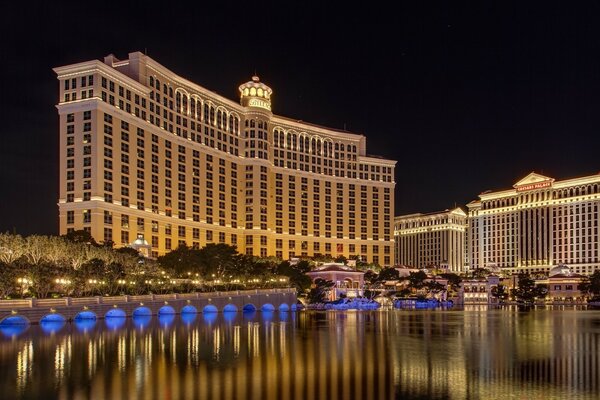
(434, 239)
(145, 152)
(537, 224)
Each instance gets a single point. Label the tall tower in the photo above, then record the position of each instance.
(255, 96)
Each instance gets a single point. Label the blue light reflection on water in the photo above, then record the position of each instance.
(115, 323)
(210, 317)
(166, 320)
(189, 318)
(141, 321)
(13, 330)
(85, 325)
(267, 315)
(51, 327)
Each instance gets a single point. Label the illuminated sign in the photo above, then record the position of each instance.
(533, 186)
(259, 103)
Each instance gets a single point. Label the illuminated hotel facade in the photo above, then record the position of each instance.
(144, 152)
(434, 239)
(538, 224)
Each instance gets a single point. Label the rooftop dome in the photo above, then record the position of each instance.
(560, 270)
(140, 241)
(254, 93)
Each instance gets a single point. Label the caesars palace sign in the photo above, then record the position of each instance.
(533, 186)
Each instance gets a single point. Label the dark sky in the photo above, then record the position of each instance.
(465, 98)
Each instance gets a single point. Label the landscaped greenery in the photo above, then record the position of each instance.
(527, 291)
(75, 265)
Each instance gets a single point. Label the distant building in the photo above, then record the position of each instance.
(478, 291)
(347, 280)
(434, 240)
(538, 223)
(563, 285)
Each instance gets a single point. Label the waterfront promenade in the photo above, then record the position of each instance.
(68, 308)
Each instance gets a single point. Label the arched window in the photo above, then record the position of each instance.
(206, 112)
(178, 102)
(165, 88)
(231, 124)
(184, 105)
(170, 91)
(219, 122)
(151, 81)
(157, 84)
(193, 107)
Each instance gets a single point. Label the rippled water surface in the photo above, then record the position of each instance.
(407, 354)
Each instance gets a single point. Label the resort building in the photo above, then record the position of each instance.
(146, 154)
(346, 280)
(435, 240)
(563, 285)
(478, 291)
(537, 224)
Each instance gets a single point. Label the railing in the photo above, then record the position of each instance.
(82, 301)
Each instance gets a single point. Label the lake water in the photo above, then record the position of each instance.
(407, 354)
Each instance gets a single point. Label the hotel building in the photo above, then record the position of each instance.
(145, 152)
(537, 224)
(435, 239)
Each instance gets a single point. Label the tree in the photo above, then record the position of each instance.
(8, 279)
(341, 259)
(182, 260)
(500, 293)
(129, 251)
(454, 280)
(591, 285)
(434, 287)
(43, 276)
(371, 276)
(319, 290)
(527, 291)
(388, 274)
(219, 260)
(12, 247)
(296, 274)
(80, 236)
(416, 280)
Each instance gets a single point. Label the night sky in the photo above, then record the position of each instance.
(465, 98)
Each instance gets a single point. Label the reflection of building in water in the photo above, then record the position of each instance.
(24, 359)
(477, 353)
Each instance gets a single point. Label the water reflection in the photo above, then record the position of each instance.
(473, 353)
(141, 321)
(52, 326)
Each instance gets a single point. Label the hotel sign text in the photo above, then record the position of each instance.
(259, 103)
(533, 186)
